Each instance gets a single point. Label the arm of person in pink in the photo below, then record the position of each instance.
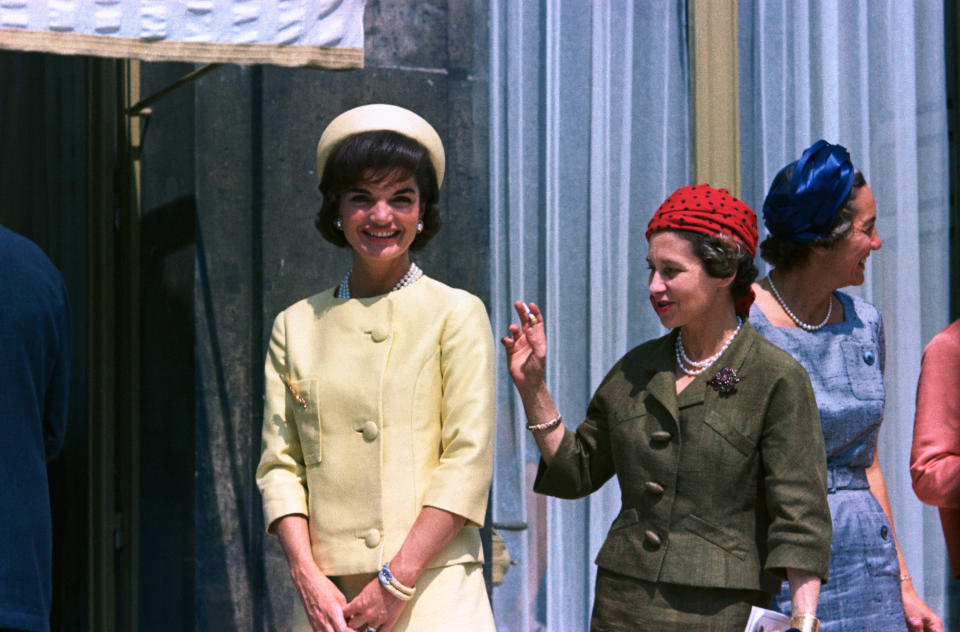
(935, 456)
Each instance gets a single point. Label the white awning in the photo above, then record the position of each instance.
(318, 33)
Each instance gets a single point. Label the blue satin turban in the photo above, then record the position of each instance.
(803, 208)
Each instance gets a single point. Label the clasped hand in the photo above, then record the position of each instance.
(328, 610)
(373, 608)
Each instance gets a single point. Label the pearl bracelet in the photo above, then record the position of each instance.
(393, 586)
(546, 425)
(396, 593)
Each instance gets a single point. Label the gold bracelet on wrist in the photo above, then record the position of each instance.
(905, 578)
(805, 623)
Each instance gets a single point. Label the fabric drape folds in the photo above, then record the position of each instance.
(869, 75)
(589, 133)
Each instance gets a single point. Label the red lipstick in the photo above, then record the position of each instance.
(660, 306)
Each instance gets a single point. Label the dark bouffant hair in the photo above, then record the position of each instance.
(379, 156)
(721, 257)
(785, 254)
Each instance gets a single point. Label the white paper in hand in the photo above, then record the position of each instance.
(763, 620)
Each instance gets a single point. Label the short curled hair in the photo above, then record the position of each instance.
(380, 156)
(785, 254)
(721, 257)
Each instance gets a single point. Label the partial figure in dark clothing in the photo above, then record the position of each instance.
(34, 376)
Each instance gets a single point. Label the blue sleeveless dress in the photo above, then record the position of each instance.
(845, 364)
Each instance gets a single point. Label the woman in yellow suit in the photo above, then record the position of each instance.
(379, 402)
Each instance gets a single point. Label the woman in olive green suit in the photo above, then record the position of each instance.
(713, 435)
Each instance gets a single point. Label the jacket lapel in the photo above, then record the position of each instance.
(662, 385)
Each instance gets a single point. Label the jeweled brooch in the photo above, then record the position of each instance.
(725, 380)
(297, 397)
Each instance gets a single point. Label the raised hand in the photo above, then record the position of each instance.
(526, 348)
(527, 361)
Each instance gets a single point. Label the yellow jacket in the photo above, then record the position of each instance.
(388, 406)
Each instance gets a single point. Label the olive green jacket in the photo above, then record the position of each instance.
(718, 489)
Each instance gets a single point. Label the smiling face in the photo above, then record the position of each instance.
(681, 291)
(849, 256)
(380, 218)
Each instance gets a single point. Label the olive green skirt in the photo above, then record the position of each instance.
(628, 604)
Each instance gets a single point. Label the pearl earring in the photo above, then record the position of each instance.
(338, 223)
(420, 227)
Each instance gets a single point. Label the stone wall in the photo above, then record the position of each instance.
(234, 154)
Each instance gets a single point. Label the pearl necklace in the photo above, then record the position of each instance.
(793, 316)
(411, 276)
(699, 366)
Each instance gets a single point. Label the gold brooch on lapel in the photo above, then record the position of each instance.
(725, 380)
(293, 390)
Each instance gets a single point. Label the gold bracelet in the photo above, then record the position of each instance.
(905, 578)
(805, 623)
(546, 425)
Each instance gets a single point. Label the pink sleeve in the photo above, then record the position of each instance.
(935, 457)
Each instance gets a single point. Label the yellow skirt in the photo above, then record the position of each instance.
(447, 598)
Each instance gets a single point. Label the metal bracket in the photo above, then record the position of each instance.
(510, 526)
(140, 108)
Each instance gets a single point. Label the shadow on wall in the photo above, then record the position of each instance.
(166, 574)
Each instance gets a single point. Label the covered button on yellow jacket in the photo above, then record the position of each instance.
(374, 408)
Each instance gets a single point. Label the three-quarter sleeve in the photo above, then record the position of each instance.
(461, 482)
(281, 474)
(935, 455)
(583, 461)
(794, 473)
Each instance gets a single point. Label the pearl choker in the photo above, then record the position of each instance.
(411, 276)
(793, 316)
(699, 366)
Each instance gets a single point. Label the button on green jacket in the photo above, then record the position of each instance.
(718, 489)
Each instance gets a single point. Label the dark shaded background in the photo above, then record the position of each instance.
(226, 241)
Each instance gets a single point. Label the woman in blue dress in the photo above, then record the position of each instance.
(821, 217)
